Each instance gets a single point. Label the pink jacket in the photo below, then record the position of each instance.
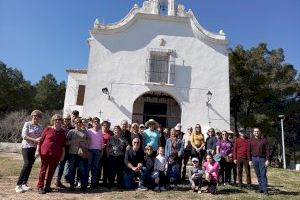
(212, 169)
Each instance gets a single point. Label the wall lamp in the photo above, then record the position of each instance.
(106, 92)
(209, 96)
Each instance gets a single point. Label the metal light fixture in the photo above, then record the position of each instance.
(281, 117)
(106, 92)
(209, 96)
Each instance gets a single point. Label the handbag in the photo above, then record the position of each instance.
(83, 153)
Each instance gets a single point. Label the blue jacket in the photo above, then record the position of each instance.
(179, 147)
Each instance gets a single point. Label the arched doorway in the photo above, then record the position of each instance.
(156, 105)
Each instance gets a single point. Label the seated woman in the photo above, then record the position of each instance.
(211, 169)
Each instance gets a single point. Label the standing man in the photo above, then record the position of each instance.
(240, 157)
(75, 115)
(259, 156)
(125, 133)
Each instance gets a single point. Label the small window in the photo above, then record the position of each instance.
(80, 95)
(163, 8)
(160, 68)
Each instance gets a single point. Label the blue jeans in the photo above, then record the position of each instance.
(94, 158)
(261, 172)
(82, 163)
(147, 178)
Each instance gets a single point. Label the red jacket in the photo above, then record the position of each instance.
(240, 149)
(52, 142)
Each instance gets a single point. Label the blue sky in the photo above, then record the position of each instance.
(42, 36)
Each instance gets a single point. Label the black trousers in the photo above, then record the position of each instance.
(211, 187)
(225, 171)
(28, 158)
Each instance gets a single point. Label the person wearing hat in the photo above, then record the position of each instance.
(67, 125)
(195, 175)
(178, 131)
(51, 150)
(31, 135)
(240, 156)
(151, 135)
(141, 128)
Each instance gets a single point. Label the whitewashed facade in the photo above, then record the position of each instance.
(158, 62)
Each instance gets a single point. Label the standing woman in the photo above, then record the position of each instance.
(51, 150)
(31, 134)
(116, 151)
(198, 144)
(95, 150)
(103, 164)
(224, 148)
(151, 136)
(78, 154)
(174, 147)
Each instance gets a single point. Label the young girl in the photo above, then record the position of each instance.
(211, 169)
(195, 175)
(159, 166)
(147, 173)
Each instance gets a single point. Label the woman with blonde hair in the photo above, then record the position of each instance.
(198, 143)
(51, 150)
(31, 134)
(136, 134)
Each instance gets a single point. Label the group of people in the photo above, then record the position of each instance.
(147, 157)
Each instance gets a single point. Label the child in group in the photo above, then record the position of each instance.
(172, 172)
(195, 175)
(211, 169)
(147, 173)
(159, 170)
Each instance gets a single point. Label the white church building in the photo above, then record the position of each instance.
(156, 63)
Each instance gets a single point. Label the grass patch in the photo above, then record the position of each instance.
(283, 184)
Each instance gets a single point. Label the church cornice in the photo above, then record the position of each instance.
(77, 71)
(147, 12)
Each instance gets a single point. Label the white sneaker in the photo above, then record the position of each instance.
(19, 189)
(25, 187)
(162, 189)
(156, 188)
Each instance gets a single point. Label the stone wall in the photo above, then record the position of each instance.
(10, 147)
